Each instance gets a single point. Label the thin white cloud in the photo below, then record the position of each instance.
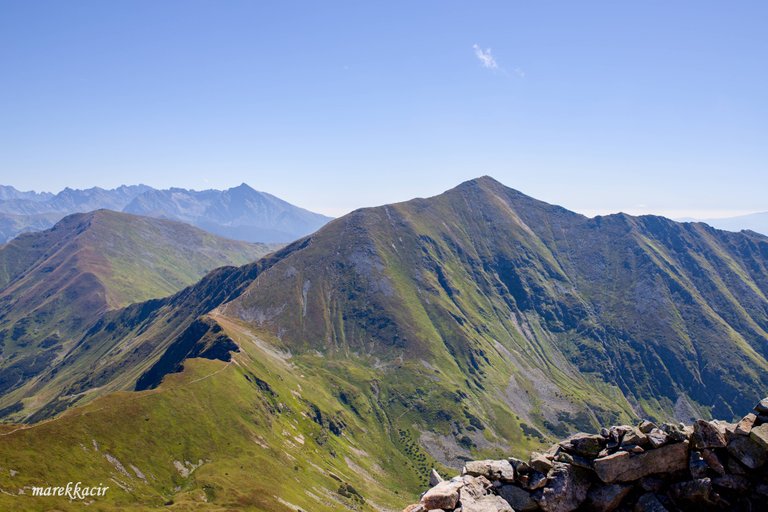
(485, 57)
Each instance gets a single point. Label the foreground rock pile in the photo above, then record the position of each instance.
(710, 465)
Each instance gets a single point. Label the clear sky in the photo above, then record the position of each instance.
(640, 106)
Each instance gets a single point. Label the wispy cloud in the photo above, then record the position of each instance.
(485, 57)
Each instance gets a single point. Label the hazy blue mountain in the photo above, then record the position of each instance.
(240, 213)
(8, 192)
(757, 222)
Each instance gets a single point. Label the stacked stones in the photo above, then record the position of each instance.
(710, 465)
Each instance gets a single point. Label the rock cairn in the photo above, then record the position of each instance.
(710, 465)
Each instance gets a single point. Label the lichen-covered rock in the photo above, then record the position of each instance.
(434, 478)
(474, 496)
(713, 461)
(585, 445)
(489, 503)
(747, 451)
(500, 470)
(712, 465)
(622, 467)
(519, 499)
(697, 491)
(648, 502)
(707, 434)
(657, 437)
(566, 489)
(540, 462)
(606, 498)
(444, 495)
(760, 436)
(744, 426)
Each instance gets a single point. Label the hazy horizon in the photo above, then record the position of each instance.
(678, 215)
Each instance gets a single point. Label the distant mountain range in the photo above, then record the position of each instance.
(241, 213)
(757, 222)
(394, 339)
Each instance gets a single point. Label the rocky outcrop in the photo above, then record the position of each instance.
(710, 465)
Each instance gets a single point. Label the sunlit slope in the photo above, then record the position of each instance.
(256, 433)
(54, 285)
(476, 323)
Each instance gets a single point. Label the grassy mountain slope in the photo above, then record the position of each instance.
(475, 323)
(55, 284)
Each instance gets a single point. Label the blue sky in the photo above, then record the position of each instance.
(599, 106)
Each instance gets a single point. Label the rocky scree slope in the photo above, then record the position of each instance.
(709, 465)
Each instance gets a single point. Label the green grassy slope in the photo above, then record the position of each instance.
(266, 432)
(477, 323)
(55, 284)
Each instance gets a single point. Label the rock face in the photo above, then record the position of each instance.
(710, 465)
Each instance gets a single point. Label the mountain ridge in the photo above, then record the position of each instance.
(54, 284)
(240, 213)
(471, 324)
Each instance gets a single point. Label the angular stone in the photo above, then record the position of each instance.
(566, 489)
(713, 461)
(732, 482)
(760, 436)
(490, 503)
(574, 460)
(747, 451)
(414, 508)
(540, 462)
(707, 434)
(634, 436)
(695, 491)
(676, 433)
(434, 478)
(657, 438)
(607, 497)
(648, 502)
(520, 466)
(533, 480)
(733, 467)
(519, 499)
(745, 425)
(652, 484)
(632, 448)
(646, 426)
(621, 467)
(585, 445)
(474, 497)
(762, 406)
(697, 465)
(444, 495)
(500, 470)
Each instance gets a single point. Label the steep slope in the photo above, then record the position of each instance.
(240, 212)
(670, 315)
(55, 284)
(476, 323)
